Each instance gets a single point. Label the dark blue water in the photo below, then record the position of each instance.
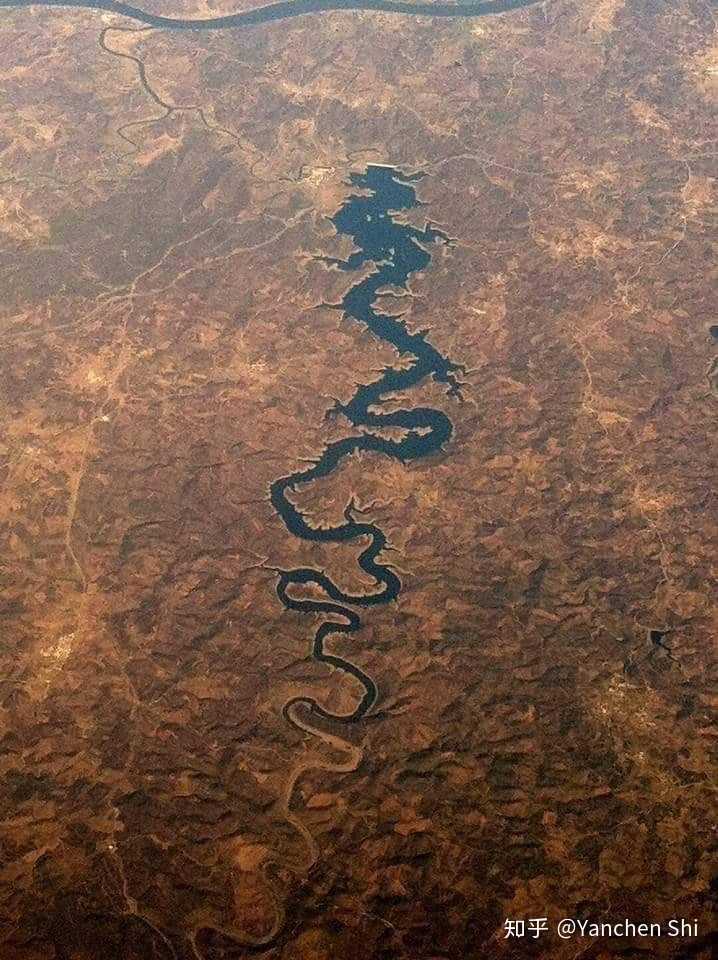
(396, 250)
(284, 10)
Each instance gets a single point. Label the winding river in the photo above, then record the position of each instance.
(285, 10)
(395, 250)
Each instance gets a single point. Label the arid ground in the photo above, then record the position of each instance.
(545, 740)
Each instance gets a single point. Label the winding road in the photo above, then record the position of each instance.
(284, 10)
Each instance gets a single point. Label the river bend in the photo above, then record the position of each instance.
(284, 10)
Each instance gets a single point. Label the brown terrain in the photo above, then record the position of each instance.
(548, 728)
